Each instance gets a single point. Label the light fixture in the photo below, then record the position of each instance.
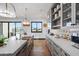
(45, 25)
(25, 21)
(6, 12)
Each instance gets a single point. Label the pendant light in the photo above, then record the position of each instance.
(25, 21)
(7, 12)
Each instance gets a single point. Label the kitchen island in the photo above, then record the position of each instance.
(13, 47)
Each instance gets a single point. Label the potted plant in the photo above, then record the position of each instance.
(2, 39)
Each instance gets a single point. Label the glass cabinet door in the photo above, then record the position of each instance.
(67, 14)
(77, 13)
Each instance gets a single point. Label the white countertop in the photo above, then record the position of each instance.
(66, 45)
(12, 46)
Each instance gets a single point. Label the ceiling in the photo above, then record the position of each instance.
(34, 10)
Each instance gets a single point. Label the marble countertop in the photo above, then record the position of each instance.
(13, 46)
(66, 45)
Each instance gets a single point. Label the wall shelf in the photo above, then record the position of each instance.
(67, 18)
(67, 10)
(56, 15)
(56, 11)
(66, 15)
(56, 26)
(57, 18)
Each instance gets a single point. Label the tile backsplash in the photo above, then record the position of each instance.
(68, 30)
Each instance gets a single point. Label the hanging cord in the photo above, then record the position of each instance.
(14, 8)
(25, 13)
(6, 8)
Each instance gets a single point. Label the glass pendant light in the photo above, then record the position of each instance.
(25, 21)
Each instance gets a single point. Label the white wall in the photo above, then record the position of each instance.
(28, 29)
(37, 35)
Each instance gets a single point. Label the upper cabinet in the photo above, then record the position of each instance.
(56, 15)
(77, 13)
(64, 15)
(66, 10)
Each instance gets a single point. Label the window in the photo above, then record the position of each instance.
(4, 29)
(15, 29)
(36, 27)
(12, 29)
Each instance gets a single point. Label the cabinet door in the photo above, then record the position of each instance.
(57, 50)
(50, 46)
(22, 52)
(63, 53)
(29, 46)
(26, 51)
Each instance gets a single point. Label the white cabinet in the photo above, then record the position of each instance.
(50, 47)
(68, 15)
(57, 50)
(54, 49)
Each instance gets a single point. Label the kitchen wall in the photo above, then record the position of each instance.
(70, 30)
(37, 35)
(28, 29)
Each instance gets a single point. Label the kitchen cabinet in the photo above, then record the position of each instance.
(77, 13)
(22, 52)
(54, 49)
(50, 47)
(25, 51)
(67, 11)
(56, 16)
(64, 16)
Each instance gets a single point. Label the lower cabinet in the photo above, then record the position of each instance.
(26, 49)
(50, 47)
(54, 49)
(22, 52)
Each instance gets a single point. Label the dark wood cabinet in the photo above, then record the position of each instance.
(22, 52)
(26, 49)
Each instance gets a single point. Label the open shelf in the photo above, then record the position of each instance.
(56, 27)
(67, 18)
(57, 18)
(67, 10)
(56, 11)
(56, 15)
(69, 14)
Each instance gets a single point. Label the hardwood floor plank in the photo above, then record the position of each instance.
(40, 48)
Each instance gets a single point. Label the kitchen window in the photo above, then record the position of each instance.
(9, 29)
(36, 27)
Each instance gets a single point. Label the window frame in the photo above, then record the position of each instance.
(36, 27)
(9, 24)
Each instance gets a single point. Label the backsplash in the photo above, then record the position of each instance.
(66, 30)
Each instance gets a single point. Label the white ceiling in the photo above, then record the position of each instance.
(34, 10)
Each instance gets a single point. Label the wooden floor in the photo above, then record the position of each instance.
(40, 48)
